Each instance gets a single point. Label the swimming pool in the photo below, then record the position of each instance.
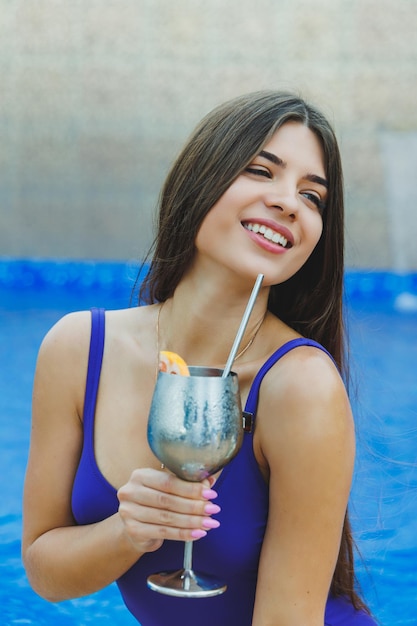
(383, 336)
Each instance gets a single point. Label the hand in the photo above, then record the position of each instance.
(156, 505)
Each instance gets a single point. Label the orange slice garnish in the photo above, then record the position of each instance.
(172, 363)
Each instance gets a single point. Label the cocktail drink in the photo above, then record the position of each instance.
(194, 428)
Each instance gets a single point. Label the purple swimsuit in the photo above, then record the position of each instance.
(231, 552)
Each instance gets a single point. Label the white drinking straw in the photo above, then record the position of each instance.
(243, 325)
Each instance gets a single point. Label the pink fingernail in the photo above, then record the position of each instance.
(209, 522)
(198, 534)
(211, 508)
(209, 494)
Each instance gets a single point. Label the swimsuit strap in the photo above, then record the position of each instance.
(252, 401)
(95, 359)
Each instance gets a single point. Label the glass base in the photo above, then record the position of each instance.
(186, 583)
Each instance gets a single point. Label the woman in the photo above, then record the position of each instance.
(257, 189)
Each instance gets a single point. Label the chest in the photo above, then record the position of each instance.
(119, 417)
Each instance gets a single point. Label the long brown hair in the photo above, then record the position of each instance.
(220, 148)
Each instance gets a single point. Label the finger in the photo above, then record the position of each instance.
(151, 535)
(161, 501)
(169, 483)
(172, 517)
(147, 481)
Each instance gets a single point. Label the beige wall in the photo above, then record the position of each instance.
(97, 96)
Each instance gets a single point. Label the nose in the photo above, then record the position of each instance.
(283, 200)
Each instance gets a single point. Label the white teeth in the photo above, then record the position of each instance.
(268, 233)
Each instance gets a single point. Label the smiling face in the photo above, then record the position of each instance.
(270, 218)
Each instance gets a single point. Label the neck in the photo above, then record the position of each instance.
(200, 322)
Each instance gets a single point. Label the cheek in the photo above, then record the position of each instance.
(316, 229)
(216, 221)
(207, 230)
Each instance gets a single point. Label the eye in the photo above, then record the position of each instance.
(258, 170)
(315, 199)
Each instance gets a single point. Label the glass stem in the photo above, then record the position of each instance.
(188, 555)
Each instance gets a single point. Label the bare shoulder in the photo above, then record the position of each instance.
(70, 332)
(67, 342)
(130, 336)
(304, 378)
(68, 339)
(62, 359)
(303, 402)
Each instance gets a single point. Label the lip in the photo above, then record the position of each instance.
(278, 228)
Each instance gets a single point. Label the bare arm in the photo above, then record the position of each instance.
(64, 560)
(307, 440)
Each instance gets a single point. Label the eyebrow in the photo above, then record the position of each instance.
(273, 158)
(313, 178)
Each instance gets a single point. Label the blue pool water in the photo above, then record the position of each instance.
(383, 335)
